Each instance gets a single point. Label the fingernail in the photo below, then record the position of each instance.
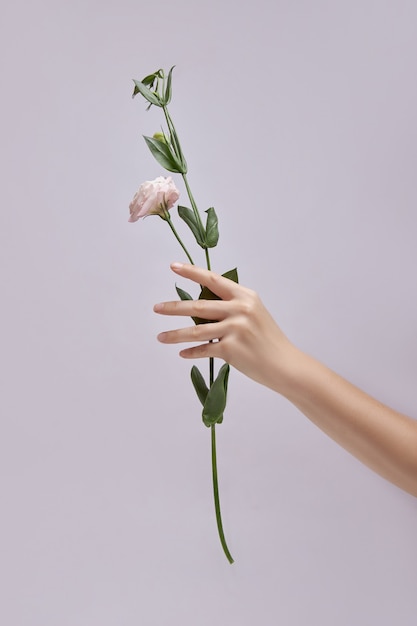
(158, 307)
(161, 337)
(176, 266)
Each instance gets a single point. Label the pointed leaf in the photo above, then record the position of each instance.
(207, 294)
(162, 153)
(176, 146)
(212, 228)
(150, 79)
(183, 295)
(199, 384)
(168, 90)
(149, 95)
(232, 275)
(189, 218)
(215, 403)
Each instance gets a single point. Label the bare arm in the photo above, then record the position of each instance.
(246, 336)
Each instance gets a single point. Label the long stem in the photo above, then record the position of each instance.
(178, 151)
(167, 218)
(214, 461)
(216, 495)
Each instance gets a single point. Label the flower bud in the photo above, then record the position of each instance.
(159, 137)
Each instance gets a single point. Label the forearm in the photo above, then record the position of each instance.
(383, 439)
(249, 339)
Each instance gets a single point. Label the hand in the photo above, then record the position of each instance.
(245, 335)
(242, 333)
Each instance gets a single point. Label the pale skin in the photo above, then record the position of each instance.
(244, 334)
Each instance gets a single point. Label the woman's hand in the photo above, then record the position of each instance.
(242, 333)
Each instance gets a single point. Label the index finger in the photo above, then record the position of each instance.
(223, 287)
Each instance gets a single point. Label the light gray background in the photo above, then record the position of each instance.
(298, 121)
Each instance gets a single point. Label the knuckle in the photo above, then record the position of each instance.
(199, 306)
(178, 305)
(248, 305)
(226, 350)
(242, 323)
(195, 333)
(215, 281)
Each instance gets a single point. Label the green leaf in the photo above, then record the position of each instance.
(199, 384)
(232, 275)
(212, 228)
(189, 218)
(200, 320)
(162, 153)
(207, 294)
(149, 95)
(150, 79)
(168, 90)
(176, 146)
(215, 402)
(183, 295)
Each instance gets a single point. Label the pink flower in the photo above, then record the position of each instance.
(154, 197)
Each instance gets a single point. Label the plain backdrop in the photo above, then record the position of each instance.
(298, 120)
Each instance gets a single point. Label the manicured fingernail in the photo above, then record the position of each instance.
(161, 337)
(176, 266)
(158, 307)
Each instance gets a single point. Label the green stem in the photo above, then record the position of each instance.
(194, 205)
(207, 258)
(167, 218)
(177, 148)
(214, 462)
(173, 134)
(175, 143)
(216, 495)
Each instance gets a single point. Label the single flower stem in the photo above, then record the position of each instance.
(194, 206)
(178, 151)
(216, 495)
(207, 258)
(214, 461)
(167, 218)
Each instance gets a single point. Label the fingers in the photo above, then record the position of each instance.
(202, 332)
(222, 287)
(205, 350)
(206, 309)
(207, 335)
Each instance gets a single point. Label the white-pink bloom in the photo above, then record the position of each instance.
(154, 197)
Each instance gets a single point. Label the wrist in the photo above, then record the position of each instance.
(284, 374)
